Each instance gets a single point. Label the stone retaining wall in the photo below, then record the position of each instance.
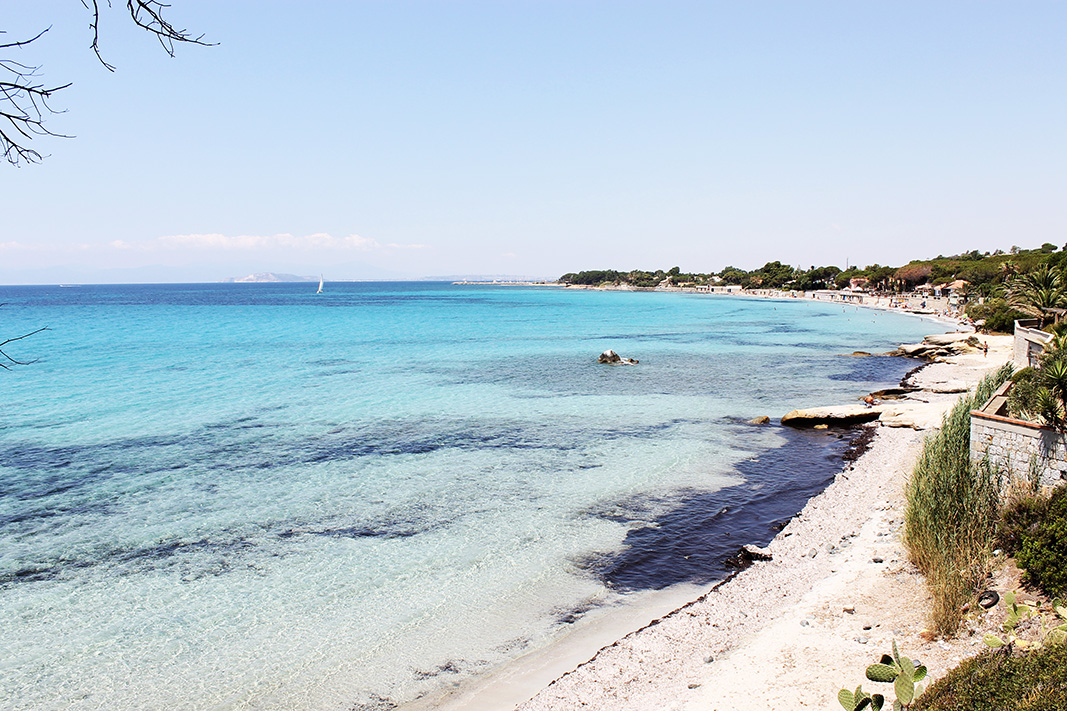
(1023, 449)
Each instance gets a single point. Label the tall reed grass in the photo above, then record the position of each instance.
(951, 511)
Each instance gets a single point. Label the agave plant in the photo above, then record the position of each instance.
(1049, 408)
(1050, 398)
(1054, 373)
(1037, 290)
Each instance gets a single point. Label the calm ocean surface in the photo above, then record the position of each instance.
(247, 496)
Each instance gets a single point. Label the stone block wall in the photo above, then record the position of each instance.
(1019, 448)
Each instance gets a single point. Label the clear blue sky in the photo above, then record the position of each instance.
(532, 138)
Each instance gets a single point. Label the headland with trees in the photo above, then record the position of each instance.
(997, 287)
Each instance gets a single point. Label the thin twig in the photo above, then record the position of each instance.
(5, 366)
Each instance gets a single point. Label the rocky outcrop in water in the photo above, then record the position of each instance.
(612, 358)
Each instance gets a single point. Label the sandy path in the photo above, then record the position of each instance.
(792, 631)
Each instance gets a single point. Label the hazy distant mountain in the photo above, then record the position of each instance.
(484, 277)
(268, 277)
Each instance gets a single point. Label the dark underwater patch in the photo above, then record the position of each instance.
(874, 369)
(700, 531)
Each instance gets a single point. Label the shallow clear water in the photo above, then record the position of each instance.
(247, 496)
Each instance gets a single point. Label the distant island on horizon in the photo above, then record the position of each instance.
(280, 277)
(265, 277)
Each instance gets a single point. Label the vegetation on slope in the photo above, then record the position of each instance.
(951, 510)
(1002, 679)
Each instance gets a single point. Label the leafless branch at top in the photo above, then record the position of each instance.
(24, 99)
(23, 106)
(148, 15)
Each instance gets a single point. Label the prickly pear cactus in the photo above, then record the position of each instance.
(881, 672)
(859, 699)
(893, 669)
(904, 685)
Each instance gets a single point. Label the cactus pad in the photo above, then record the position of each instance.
(881, 672)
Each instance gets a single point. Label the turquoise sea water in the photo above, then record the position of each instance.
(247, 496)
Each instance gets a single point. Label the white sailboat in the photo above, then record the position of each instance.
(320, 285)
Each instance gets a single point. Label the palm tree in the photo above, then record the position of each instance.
(1008, 269)
(1038, 290)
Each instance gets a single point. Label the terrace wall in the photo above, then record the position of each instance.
(1025, 450)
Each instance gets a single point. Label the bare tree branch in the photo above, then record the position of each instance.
(23, 106)
(11, 360)
(148, 14)
(23, 42)
(94, 25)
(24, 99)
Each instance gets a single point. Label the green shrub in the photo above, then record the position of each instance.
(999, 680)
(1044, 549)
(999, 316)
(1018, 519)
(1040, 394)
(1022, 398)
(1022, 374)
(951, 511)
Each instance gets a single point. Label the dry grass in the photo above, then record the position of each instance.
(951, 511)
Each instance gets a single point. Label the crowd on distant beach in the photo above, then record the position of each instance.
(940, 307)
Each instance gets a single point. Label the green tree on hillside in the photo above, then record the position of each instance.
(733, 275)
(773, 275)
(816, 278)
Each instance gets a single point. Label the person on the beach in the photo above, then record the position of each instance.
(985, 348)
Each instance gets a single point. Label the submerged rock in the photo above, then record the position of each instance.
(761, 420)
(612, 358)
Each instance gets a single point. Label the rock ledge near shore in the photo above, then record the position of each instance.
(833, 415)
(940, 346)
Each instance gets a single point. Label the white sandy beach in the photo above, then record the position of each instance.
(837, 592)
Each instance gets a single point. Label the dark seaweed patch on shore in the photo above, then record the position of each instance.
(859, 443)
(699, 531)
(908, 380)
